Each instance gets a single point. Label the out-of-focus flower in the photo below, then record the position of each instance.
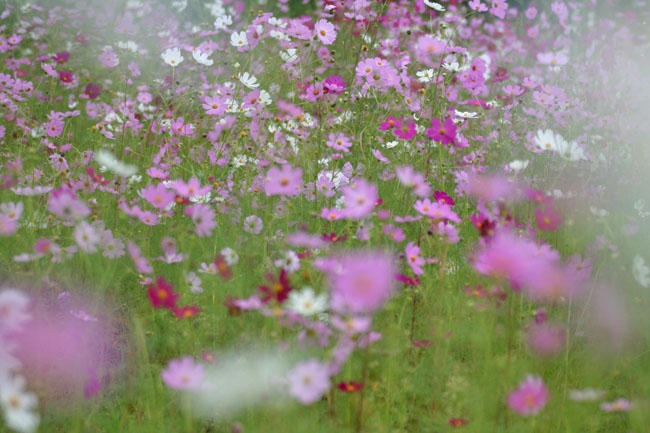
(308, 381)
(530, 397)
(183, 374)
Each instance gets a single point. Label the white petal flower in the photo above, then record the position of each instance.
(434, 5)
(306, 302)
(641, 272)
(108, 160)
(172, 56)
(202, 57)
(18, 405)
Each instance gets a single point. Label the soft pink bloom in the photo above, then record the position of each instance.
(394, 233)
(86, 237)
(8, 226)
(284, 181)
(158, 195)
(308, 381)
(203, 217)
(617, 406)
(413, 179)
(361, 282)
(413, 258)
(253, 224)
(359, 199)
(64, 204)
(325, 32)
(546, 340)
(183, 373)
(530, 397)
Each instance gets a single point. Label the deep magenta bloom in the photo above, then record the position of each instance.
(162, 294)
(530, 397)
(92, 90)
(548, 218)
(444, 133)
(334, 84)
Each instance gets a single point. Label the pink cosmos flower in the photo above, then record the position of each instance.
(394, 233)
(8, 225)
(54, 127)
(548, 218)
(284, 181)
(86, 237)
(339, 142)
(158, 195)
(253, 224)
(617, 406)
(546, 340)
(64, 204)
(203, 217)
(361, 282)
(530, 397)
(413, 179)
(308, 381)
(325, 32)
(413, 258)
(359, 199)
(183, 374)
(443, 133)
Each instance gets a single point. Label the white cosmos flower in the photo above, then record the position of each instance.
(425, 76)
(222, 22)
(230, 256)
(172, 56)
(289, 261)
(290, 55)
(518, 165)
(18, 405)
(434, 5)
(640, 271)
(548, 140)
(570, 151)
(202, 57)
(13, 310)
(249, 80)
(108, 160)
(306, 302)
(587, 394)
(639, 206)
(466, 114)
(238, 39)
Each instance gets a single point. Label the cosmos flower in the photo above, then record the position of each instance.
(172, 56)
(183, 374)
(530, 398)
(361, 281)
(308, 381)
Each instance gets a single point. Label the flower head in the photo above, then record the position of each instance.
(530, 397)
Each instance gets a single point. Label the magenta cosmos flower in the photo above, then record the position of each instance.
(308, 381)
(283, 181)
(444, 133)
(183, 374)
(361, 282)
(530, 397)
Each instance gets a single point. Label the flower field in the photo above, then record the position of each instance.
(324, 216)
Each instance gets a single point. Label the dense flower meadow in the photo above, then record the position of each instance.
(324, 216)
